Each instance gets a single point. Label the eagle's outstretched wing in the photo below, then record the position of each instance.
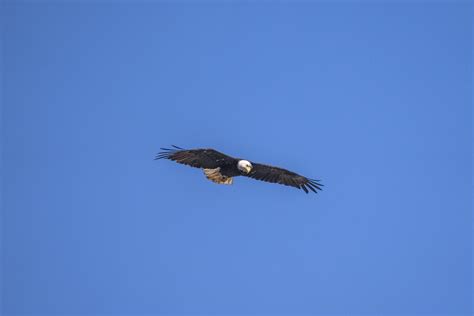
(282, 176)
(198, 158)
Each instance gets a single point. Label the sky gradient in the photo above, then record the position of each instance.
(372, 98)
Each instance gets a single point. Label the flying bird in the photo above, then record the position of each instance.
(221, 168)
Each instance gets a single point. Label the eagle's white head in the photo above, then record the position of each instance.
(245, 166)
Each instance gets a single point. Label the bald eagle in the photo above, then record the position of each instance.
(221, 168)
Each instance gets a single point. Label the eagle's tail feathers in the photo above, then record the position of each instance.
(215, 176)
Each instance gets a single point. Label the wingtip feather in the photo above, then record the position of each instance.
(304, 188)
(312, 189)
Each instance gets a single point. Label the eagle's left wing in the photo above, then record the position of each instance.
(198, 158)
(282, 176)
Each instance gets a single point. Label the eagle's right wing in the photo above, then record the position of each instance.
(282, 176)
(198, 158)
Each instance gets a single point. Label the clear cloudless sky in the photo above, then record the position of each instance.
(373, 98)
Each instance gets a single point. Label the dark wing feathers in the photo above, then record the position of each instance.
(282, 176)
(198, 158)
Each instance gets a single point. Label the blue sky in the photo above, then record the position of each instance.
(372, 98)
